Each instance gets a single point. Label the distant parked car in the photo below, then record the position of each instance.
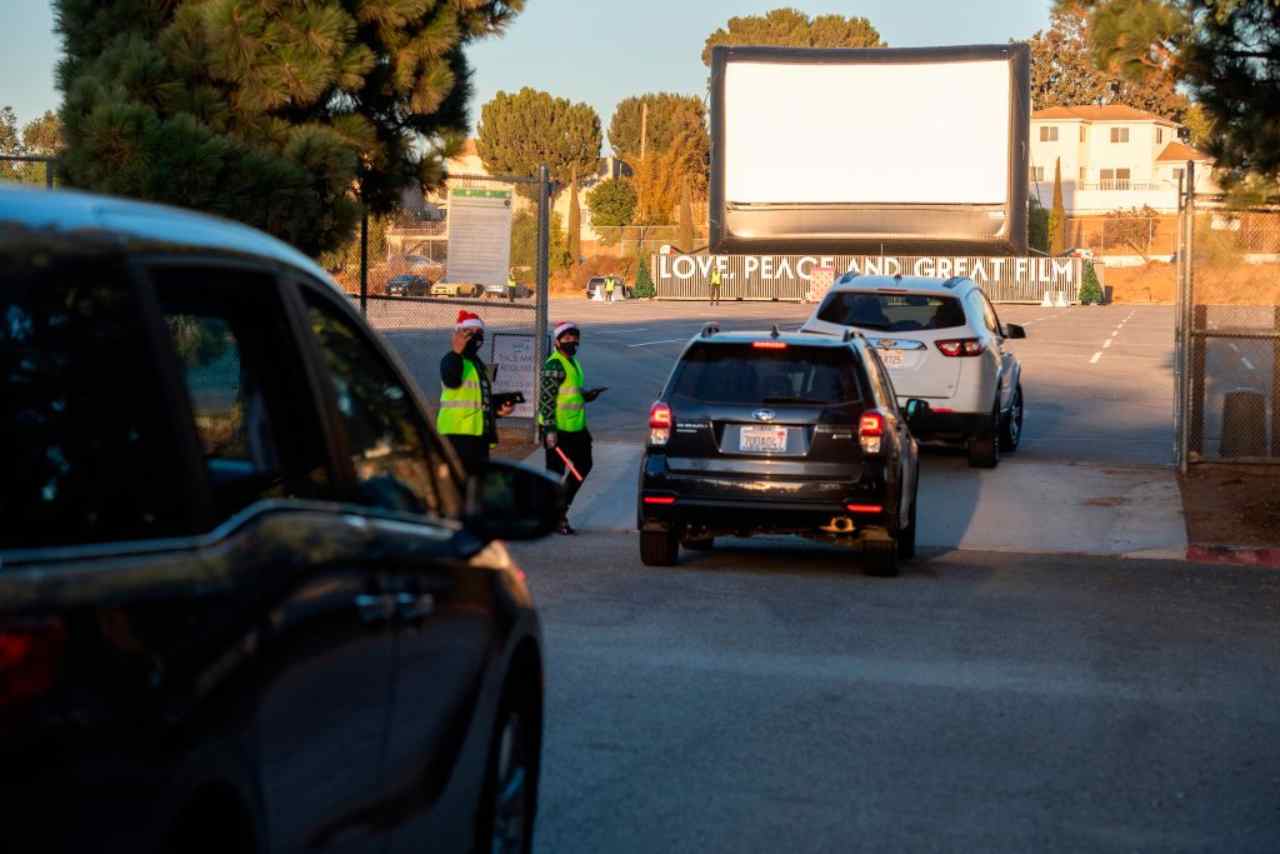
(408, 285)
(1079, 252)
(456, 289)
(597, 285)
(499, 291)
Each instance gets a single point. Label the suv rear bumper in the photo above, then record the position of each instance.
(760, 503)
(943, 425)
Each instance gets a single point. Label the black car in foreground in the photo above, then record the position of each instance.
(248, 602)
(765, 432)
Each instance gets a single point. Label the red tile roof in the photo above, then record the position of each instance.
(1100, 113)
(1179, 152)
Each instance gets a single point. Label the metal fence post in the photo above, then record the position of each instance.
(364, 262)
(543, 284)
(1275, 386)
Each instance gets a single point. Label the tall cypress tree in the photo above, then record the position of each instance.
(686, 217)
(574, 243)
(284, 114)
(1057, 215)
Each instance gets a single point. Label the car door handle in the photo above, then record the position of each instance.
(373, 609)
(413, 607)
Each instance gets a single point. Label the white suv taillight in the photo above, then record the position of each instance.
(659, 424)
(871, 431)
(954, 347)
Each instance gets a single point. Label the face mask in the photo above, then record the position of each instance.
(474, 345)
(569, 348)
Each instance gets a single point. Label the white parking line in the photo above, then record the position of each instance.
(1233, 346)
(1096, 357)
(1248, 364)
(1107, 343)
(651, 343)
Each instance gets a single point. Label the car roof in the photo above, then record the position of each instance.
(791, 339)
(129, 224)
(954, 286)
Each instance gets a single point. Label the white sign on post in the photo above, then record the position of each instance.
(512, 362)
(479, 236)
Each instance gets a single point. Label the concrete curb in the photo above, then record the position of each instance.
(1268, 557)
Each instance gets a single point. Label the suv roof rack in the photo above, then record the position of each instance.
(775, 332)
(850, 334)
(710, 329)
(952, 282)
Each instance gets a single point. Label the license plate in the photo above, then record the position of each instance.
(893, 358)
(762, 439)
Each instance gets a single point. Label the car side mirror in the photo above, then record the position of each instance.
(1013, 330)
(507, 501)
(917, 412)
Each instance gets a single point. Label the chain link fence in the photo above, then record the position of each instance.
(1228, 401)
(401, 282)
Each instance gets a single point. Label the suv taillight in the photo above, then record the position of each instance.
(954, 347)
(660, 419)
(30, 657)
(871, 431)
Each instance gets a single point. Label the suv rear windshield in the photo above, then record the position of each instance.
(743, 374)
(892, 312)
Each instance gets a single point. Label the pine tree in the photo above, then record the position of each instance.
(1057, 214)
(289, 116)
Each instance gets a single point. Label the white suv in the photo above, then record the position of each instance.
(943, 344)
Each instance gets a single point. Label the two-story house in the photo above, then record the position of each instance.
(1112, 157)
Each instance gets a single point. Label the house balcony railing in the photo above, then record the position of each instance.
(1119, 184)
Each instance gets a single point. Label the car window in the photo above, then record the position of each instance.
(881, 384)
(90, 456)
(397, 465)
(244, 381)
(989, 317)
(743, 374)
(892, 312)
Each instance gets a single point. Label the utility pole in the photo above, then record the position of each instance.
(644, 128)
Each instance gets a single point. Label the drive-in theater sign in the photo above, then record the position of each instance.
(788, 277)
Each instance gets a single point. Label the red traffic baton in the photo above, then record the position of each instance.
(568, 462)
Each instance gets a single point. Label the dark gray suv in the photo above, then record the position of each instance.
(764, 432)
(248, 599)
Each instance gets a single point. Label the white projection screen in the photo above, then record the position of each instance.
(895, 150)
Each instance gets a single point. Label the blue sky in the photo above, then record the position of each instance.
(587, 50)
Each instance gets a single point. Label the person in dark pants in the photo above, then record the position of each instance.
(562, 413)
(467, 415)
(715, 285)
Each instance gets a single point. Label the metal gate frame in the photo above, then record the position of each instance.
(1192, 336)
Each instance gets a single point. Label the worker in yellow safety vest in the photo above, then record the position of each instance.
(467, 415)
(511, 286)
(715, 285)
(608, 288)
(562, 414)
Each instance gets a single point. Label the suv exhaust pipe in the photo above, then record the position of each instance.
(838, 525)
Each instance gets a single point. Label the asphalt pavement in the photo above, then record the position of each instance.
(771, 698)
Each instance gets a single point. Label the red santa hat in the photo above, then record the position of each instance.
(565, 326)
(469, 320)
